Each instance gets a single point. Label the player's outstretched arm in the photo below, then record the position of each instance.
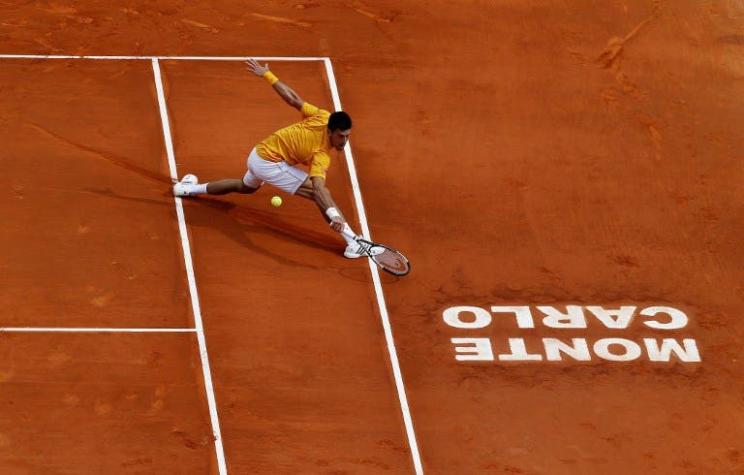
(323, 199)
(284, 91)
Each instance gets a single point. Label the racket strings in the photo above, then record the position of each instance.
(371, 248)
(386, 258)
(392, 261)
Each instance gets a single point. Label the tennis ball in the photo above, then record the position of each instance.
(276, 201)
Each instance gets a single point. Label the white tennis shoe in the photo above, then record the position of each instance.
(358, 249)
(354, 251)
(184, 187)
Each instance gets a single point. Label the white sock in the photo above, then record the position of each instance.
(348, 240)
(199, 189)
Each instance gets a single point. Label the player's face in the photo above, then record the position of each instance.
(339, 138)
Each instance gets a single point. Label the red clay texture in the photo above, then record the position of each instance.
(520, 153)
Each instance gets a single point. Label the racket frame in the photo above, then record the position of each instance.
(367, 245)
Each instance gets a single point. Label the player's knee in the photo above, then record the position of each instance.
(246, 190)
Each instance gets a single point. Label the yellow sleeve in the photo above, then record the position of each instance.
(309, 110)
(319, 164)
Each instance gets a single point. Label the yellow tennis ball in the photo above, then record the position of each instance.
(276, 201)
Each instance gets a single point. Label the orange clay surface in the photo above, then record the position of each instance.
(520, 153)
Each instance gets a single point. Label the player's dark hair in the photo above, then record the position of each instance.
(339, 121)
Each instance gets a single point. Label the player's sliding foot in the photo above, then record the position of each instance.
(354, 251)
(185, 187)
(357, 249)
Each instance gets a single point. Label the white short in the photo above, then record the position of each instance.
(280, 174)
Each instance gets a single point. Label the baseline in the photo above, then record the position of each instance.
(93, 330)
(174, 58)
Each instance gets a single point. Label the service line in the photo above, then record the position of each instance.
(186, 246)
(392, 352)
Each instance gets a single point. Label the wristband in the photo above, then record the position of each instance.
(270, 77)
(332, 213)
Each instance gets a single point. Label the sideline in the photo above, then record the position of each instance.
(208, 387)
(392, 352)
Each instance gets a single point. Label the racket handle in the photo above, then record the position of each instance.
(347, 232)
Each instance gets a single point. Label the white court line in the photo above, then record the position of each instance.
(407, 420)
(208, 387)
(93, 330)
(169, 58)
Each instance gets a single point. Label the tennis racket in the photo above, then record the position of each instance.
(386, 258)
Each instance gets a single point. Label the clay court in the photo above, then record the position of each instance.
(565, 177)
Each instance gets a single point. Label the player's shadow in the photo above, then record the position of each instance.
(256, 221)
(241, 221)
(240, 224)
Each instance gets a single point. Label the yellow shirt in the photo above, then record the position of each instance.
(305, 142)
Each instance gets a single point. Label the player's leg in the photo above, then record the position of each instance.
(190, 186)
(229, 185)
(306, 190)
(353, 249)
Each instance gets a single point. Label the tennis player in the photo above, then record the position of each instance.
(276, 160)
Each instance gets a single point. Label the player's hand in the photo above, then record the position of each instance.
(337, 224)
(256, 68)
